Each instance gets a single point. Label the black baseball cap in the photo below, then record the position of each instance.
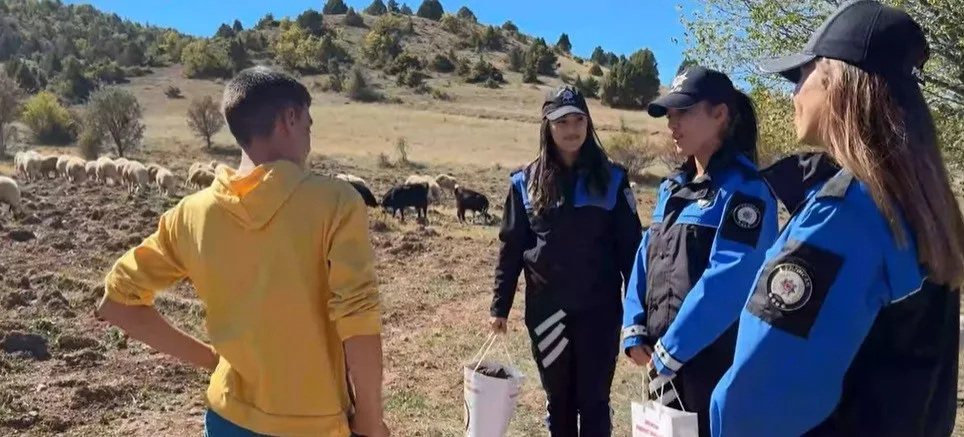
(562, 101)
(692, 86)
(867, 34)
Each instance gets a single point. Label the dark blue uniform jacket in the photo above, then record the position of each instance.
(697, 260)
(580, 251)
(842, 334)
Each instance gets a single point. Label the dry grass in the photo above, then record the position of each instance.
(435, 281)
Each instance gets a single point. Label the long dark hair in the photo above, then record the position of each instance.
(741, 132)
(544, 175)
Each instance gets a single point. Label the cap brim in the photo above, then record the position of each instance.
(658, 108)
(564, 111)
(786, 66)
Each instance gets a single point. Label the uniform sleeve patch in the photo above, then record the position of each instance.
(792, 288)
(630, 198)
(743, 219)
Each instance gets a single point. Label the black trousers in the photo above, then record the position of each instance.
(576, 355)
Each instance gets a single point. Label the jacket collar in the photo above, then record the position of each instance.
(792, 178)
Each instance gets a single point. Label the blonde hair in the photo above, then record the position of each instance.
(883, 132)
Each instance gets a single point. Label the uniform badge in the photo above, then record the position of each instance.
(789, 287)
(630, 199)
(747, 216)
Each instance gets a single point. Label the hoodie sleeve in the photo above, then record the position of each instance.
(147, 268)
(354, 305)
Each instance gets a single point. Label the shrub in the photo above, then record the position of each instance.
(48, 120)
(312, 21)
(173, 92)
(353, 19)
(410, 78)
(483, 72)
(466, 14)
(589, 87)
(358, 88)
(595, 70)
(515, 59)
(442, 64)
(204, 118)
(117, 113)
(406, 61)
(10, 97)
(630, 151)
(90, 143)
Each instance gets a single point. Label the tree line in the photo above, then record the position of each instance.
(731, 34)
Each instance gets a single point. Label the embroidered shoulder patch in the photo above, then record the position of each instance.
(789, 286)
(747, 216)
(743, 219)
(792, 287)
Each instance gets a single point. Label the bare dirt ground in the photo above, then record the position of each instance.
(62, 372)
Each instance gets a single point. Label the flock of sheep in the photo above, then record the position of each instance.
(417, 191)
(135, 176)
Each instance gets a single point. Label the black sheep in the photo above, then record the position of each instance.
(400, 197)
(365, 193)
(466, 199)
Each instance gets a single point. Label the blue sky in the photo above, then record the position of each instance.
(621, 26)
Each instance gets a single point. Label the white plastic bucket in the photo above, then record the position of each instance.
(490, 402)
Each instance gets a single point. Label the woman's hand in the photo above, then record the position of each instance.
(641, 355)
(499, 325)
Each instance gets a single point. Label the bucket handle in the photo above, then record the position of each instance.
(480, 355)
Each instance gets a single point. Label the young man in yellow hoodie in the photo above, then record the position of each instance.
(283, 263)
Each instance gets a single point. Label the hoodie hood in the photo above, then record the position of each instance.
(254, 198)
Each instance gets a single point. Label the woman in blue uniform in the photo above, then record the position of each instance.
(851, 328)
(570, 223)
(712, 222)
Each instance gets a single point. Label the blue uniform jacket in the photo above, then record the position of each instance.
(841, 334)
(578, 254)
(699, 257)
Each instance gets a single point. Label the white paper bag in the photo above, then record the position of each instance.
(490, 402)
(653, 419)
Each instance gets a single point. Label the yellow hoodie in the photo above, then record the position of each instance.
(283, 262)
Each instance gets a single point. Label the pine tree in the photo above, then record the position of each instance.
(376, 8)
(431, 9)
(564, 43)
(335, 7)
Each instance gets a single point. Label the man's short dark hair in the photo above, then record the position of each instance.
(255, 98)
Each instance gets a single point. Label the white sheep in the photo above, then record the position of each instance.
(201, 178)
(434, 190)
(75, 170)
(10, 194)
(165, 181)
(107, 172)
(152, 170)
(27, 164)
(136, 177)
(446, 181)
(351, 178)
(191, 170)
(90, 167)
(62, 161)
